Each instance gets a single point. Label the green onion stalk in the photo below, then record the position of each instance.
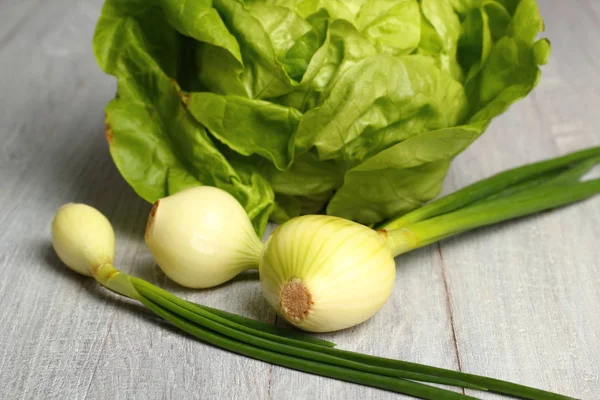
(289, 349)
(511, 194)
(320, 273)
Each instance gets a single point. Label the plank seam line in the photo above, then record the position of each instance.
(270, 373)
(449, 308)
(270, 382)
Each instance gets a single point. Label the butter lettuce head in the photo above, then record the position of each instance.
(355, 108)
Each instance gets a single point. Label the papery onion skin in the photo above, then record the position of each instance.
(324, 273)
(83, 238)
(201, 237)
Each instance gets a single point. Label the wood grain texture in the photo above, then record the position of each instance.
(524, 294)
(519, 301)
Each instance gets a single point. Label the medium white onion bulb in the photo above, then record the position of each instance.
(202, 237)
(324, 273)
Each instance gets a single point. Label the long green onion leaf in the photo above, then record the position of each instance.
(388, 367)
(560, 177)
(264, 327)
(301, 355)
(281, 345)
(403, 386)
(510, 181)
(531, 201)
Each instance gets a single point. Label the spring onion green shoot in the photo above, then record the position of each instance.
(84, 240)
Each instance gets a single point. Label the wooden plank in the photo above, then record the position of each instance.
(518, 302)
(524, 294)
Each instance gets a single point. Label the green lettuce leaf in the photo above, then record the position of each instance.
(301, 106)
(155, 141)
(233, 119)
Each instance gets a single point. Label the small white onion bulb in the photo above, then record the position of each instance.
(324, 273)
(202, 237)
(83, 238)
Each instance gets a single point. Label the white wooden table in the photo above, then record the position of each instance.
(520, 301)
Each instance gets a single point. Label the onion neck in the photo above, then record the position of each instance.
(111, 278)
(249, 257)
(399, 241)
